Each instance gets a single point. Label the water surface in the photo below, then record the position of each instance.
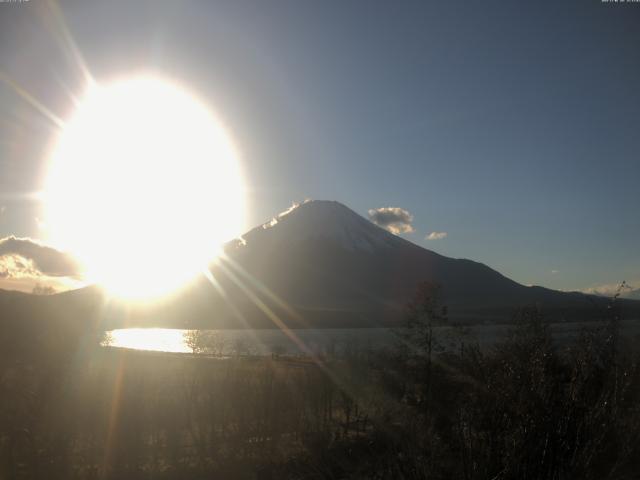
(330, 340)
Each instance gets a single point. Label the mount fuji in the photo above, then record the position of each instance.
(336, 268)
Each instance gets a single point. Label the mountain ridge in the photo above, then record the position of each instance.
(319, 264)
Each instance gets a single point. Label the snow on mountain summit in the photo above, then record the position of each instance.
(327, 220)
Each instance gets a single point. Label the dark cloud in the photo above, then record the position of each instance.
(29, 256)
(396, 220)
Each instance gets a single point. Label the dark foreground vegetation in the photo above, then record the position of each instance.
(526, 409)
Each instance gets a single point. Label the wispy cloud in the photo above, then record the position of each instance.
(436, 236)
(396, 220)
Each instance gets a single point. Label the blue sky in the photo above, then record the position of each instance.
(512, 126)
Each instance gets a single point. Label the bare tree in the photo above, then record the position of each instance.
(424, 312)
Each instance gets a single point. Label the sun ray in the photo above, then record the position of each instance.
(53, 18)
(277, 321)
(236, 312)
(264, 289)
(31, 100)
(113, 417)
(333, 371)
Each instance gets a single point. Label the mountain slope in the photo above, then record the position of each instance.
(322, 256)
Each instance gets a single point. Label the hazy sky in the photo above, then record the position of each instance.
(514, 127)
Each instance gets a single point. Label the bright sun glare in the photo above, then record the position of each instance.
(143, 186)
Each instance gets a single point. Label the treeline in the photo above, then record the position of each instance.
(526, 409)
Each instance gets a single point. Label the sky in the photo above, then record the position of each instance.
(503, 132)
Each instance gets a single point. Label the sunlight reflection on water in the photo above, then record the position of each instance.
(330, 340)
(156, 339)
(254, 342)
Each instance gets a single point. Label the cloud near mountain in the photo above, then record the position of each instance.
(396, 220)
(21, 257)
(436, 236)
(15, 266)
(294, 205)
(610, 289)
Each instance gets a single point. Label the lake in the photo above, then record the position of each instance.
(336, 340)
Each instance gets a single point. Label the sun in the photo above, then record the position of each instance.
(143, 186)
